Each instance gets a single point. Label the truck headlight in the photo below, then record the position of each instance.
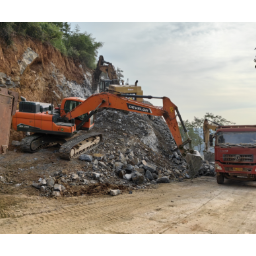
(218, 167)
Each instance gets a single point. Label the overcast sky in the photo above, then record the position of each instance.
(201, 67)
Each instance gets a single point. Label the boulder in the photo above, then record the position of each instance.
(140, 170)
(74, 176)
(137, 177)
(57, 187)
(149, 175)
(43, 182)
(56, 193)
(127, 176)
(50, 182)
(86, 158)
(163, 179)
(115, 192)
(36, 185)
(194, 162)
(149, 167)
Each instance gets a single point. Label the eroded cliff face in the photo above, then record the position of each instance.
(36, 70)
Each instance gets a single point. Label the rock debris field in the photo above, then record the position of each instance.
(137, 152)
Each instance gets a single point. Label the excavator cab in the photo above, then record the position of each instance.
(72, 103)
(105, 83)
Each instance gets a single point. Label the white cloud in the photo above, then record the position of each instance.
(202, 67)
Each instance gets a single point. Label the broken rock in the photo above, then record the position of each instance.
(36, 185)
(55, 193)
(74, 176)
(57, 187)
(164, 179)
(137, 177)
(115, 192)
(128, 176)
(96, 175)
(149, 175)
(50, 182)
(147, 166)
(87, 158)
(194, 162)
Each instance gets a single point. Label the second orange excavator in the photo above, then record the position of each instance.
(65, 124)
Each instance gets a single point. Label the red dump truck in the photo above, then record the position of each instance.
(235, 152)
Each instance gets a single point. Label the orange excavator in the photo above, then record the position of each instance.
(65, 124)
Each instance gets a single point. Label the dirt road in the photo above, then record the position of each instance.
(200, 206)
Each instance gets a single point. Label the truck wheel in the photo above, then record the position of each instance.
(220, 179)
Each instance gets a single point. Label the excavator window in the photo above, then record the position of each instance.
(70, 105)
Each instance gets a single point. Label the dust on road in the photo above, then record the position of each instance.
(200, 206)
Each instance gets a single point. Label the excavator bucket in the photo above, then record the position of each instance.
(8, 104)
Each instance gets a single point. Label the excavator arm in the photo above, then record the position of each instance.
(107, 100)
(206, 128)
(108, 69)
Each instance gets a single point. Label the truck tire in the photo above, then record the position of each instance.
(220, 178)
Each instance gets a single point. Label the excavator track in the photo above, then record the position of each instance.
(80, 144)
(35, 142)
(27, 141)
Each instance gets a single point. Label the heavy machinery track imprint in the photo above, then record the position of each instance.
(172, 208)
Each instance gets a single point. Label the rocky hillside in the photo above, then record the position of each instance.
(35, 70)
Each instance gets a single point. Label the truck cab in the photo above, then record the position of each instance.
(235, 153)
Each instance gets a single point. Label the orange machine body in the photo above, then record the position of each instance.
(47, 122)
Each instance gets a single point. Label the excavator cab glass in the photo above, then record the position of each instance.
(104, 85)
(70, 105)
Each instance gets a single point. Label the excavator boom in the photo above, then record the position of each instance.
(108, 100)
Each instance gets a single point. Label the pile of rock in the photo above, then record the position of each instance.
(123, 169)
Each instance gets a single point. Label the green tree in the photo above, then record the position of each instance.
(79, 46)
(119, 74)
(195, 128)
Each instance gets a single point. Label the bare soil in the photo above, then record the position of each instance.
(198, 206)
